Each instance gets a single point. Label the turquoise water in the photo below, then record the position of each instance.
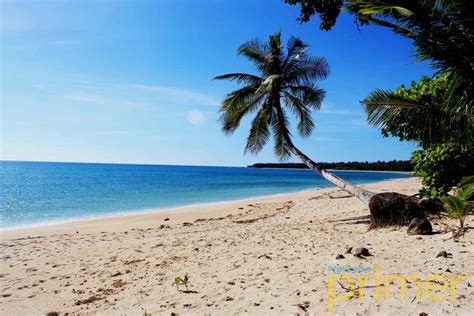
(34, 193)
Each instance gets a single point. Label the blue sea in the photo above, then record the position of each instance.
(38, 193)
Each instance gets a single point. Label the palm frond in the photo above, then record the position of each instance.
(428, 117)
(454, 205)
(237, 105)
(280, 133)
(259, 131)
(466, 191)
(305, 122)
(441, 30)
(296, 49)
(384, 107)
(382, 9)
(306, 69)
(309, 94)
(237, 97)
(241, 78)
(256, 52)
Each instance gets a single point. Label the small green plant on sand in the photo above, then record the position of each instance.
(182, 281)
(459, 206)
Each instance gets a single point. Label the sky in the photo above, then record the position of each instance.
(131, 81)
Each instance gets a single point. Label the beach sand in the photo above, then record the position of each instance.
(263, 256)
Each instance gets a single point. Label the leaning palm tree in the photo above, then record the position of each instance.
(285, 84)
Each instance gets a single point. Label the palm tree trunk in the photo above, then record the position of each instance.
(356, 191)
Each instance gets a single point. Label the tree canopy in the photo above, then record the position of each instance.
(283, 75)
(393, 165)
(437, 112)
(442, 31)
(426, 112)
(328, 11)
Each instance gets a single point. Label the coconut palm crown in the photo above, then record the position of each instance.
(285, 83)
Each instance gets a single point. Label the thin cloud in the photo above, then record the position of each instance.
(360, 123)
(184, 95)
(105, 100)
(328, 109)
(109, 133)
(64, 42)
(11, 22)
(88, 91)
(326, 139)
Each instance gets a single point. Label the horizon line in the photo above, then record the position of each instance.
(186, 165)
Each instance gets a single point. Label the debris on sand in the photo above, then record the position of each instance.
(444, 254)
(362, 252)
(419, 226)
(91, 299)
(264, 257)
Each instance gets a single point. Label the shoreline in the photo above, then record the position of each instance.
(176, 214)
(375, 171)
(123, 214)
(187, 212)
(155, 210)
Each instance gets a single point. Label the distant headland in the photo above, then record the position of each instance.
(393, 165)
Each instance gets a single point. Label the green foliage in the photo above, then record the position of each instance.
(459, 206)
(182, 281)
(434, 112)
(441, 30)
(427, 112)
(328, 11)
(441, 167)
(285, 84)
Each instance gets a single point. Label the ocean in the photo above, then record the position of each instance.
(39, 193)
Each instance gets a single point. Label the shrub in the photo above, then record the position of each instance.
(459, 206)
(441, 167)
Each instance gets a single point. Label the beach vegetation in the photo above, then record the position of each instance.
(328, 11)
(393, 165)
(442, 124)
(442, 167)
(182, 281)
(437, 111)
(460, 205)
(426, 112)
(441, 31)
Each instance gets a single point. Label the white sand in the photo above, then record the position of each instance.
(264, 256)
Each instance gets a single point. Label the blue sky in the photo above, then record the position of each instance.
(131, 81)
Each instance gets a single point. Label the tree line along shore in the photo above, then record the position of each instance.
(393, 165)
